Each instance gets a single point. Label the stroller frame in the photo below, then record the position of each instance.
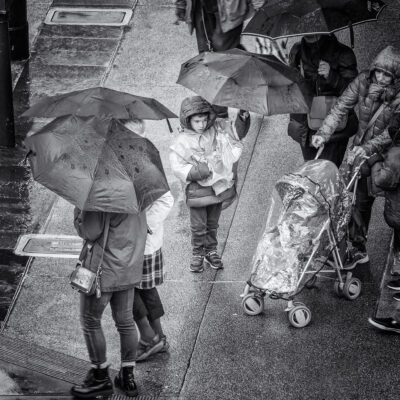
(345, 284)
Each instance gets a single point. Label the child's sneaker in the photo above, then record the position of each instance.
(213, 259)
(196, 264)
(145, 350)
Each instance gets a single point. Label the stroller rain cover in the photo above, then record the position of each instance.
(302, 203)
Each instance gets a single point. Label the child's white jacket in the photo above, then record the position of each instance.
(156, 214)
(219, 147)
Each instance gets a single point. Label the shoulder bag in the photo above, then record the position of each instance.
(82, 278)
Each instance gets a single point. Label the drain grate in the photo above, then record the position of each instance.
(88, 16)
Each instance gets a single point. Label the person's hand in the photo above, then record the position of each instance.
(356, 152)
(317, 141)
(324, 69)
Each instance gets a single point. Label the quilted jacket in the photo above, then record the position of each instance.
(375, 139)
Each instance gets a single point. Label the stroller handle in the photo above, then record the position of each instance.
(320, 150)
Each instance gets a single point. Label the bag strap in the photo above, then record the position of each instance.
(372, 120)
(105, 237)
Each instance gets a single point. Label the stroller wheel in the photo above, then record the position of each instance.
(336, 287)
(299, 316)
(352, 288)
(253, 304)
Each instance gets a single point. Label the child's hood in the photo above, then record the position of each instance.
(196, 105)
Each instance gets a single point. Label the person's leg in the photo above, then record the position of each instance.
(211, 242)
(198, 225)
(204, 25)
(364, 203)
(121, 306)
(308, 152)
(225, 40)
(140, 314)
(97, 381)
(156, 342)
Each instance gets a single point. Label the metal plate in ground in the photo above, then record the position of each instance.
(88, 16)
(47, 245)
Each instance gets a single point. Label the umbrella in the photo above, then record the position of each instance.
(253, 82)
(311, 17)
(97, 165)
(100, 102)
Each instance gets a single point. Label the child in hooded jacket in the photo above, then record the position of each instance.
(203, 156)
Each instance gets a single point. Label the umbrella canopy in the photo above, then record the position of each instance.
(253, 82)
(97, 165)
(311, 17)
(99, 102)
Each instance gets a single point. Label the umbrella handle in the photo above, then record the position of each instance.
(320, 150)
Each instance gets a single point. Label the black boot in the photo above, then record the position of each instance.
(125, 381)
(96, 383)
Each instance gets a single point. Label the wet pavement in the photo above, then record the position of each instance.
(217, 352)
(63, 58)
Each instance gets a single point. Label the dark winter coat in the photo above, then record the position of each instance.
(358, 93)
(122, 264)
(343, 69)
(387, 177)
(232, 13)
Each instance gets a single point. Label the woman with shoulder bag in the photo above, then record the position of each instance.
(115, 253)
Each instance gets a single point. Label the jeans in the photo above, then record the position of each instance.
(91, 311)
(204, 226)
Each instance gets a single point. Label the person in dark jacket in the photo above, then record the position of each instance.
(376, 92)
(218, 23)
(328, 66)
(386, 176)
(203, 157)
(120, 257)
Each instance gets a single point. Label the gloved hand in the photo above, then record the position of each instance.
(199, 172)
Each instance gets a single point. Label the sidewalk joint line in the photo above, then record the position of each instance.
(223, 249)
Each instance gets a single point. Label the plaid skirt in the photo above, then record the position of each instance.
(153, 274)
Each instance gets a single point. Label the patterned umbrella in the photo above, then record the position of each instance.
(97, 165)
(100, 102)
(310, 17)
(248, 81)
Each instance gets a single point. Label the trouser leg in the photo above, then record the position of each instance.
(213, 215)
(91, 312)
(198, 226)
(121, 306)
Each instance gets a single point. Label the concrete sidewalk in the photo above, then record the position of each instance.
(217, 352)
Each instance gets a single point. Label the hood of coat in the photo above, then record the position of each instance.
(196, 105)
(388, 60)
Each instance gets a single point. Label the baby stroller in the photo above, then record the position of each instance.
(307, 221)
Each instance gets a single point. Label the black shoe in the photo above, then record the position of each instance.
(213, 259)
(356, 257)
(196, 264)
(385, 324)
(96, 383)
(394, 285)
(125, 381)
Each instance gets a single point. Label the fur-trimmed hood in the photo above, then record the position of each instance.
(196, 105)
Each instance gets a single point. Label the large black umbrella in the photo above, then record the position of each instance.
(97, 165)
(248, 81)
(310, 17)
(100, 102)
